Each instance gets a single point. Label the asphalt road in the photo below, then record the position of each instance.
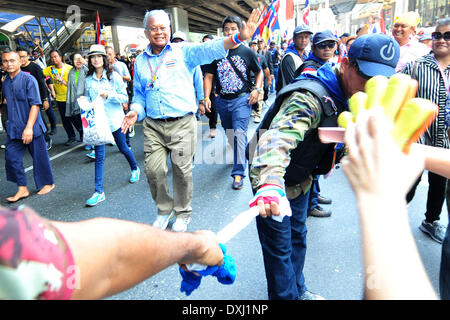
(333, 265)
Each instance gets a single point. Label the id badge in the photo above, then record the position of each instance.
(447, 111)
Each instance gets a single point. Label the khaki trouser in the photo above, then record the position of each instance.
(257, 113)
(178, 139)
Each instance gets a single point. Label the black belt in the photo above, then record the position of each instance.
(233, 96)
(172, 119)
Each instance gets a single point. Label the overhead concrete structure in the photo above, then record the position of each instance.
(202, 16)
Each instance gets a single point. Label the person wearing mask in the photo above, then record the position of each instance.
(102, 81)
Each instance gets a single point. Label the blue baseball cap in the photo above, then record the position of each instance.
(302, 28)
(322, 36)
(376, 54)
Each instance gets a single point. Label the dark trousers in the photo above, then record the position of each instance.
(69, 121)
(436, 195)
(314, 194)
(444, 275)
(212, 116)
(284, 250)
(15, 172)
(51, 117)
(4, 114)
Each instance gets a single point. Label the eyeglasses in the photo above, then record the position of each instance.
(156, 29)
(439, 35)
(323, 45)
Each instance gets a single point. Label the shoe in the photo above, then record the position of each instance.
(319, 212)
(53, 132)
(95, 199)
(238, 183)
(435, 230)
(91, 155)
(49, 144)
(163, 220)
(324, 200)
(257, 119)
(2, 146)
(132, 133)
(70, 142)
(88, 147)
(135, 175)
(180, 225)
(212, 133)
(308, 295)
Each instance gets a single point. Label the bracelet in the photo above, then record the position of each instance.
(235, 39)
(206, 99)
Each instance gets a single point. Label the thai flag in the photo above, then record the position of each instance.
(269, 22)
(306, 12)
(98, 31)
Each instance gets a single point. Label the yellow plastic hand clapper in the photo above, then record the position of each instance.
(409, 117)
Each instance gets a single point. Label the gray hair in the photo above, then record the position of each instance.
(161, 14)
(442, 22)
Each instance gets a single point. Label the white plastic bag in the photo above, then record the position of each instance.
(96, 129)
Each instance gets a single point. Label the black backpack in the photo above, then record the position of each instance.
(311, 156)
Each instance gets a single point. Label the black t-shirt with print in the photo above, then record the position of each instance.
(228, 83)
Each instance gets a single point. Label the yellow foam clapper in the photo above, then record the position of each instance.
(344, 119)
(375, 90)
(400, 88)
(412, 120)
(357, 102)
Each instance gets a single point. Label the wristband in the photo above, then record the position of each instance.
(206, 99)
(235, 38)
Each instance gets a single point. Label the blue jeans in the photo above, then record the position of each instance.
(444, 275)
(235, 115)
(119, 138)
(284, 250)
(314, 194)
(274, 81)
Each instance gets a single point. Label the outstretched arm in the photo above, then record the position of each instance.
(115, 255)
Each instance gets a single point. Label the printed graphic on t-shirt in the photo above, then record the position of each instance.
(229, 80)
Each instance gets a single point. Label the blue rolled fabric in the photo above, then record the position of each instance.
(225, 274)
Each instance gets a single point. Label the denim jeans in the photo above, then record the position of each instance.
(444, 275)
(119, 138)
(314, 194)
(284, 250)
(235, 115)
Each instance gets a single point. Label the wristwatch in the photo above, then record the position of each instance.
(260, 90)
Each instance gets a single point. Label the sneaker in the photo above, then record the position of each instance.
(257, 119)
(163, 220)
(49, 144)
(181, 224)
(308, 295)
(324, 200)
(88, 147)
(435, 230)
(132, 133)
(53, 131)
(91, 155)
(319, 212)
(2, 146)
(238, 183)
(135, 175)
(212, 133)
(70, 142)
(96, 198)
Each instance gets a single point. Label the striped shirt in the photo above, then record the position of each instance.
(431, 87)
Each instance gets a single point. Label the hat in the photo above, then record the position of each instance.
(411, 18)
(97, 49)
(302, 28)
(322, 36)
(180, 35)
(345, 34)
(252, 42)
(376, 54)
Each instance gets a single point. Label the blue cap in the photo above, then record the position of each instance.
(302, 28)
(376, 54)
(425, 36)
(322, 36)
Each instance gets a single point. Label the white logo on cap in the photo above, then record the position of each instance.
(386, 50)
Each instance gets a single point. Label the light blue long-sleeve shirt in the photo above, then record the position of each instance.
(198, 84)
(172, 93)
(117, 94)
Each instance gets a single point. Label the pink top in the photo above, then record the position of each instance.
(410, 52)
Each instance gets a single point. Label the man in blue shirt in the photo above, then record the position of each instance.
(164, 98)
(25, 130)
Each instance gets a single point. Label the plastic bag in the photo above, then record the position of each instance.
(96, 129)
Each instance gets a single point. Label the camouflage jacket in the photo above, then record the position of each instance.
(299, 112)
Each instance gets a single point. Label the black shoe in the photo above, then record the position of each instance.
(319, 212)
(323, 200)
(49, 144)
(53, 132)
(70, 142)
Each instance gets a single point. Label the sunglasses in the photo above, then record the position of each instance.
(323, 45)
(439, 35)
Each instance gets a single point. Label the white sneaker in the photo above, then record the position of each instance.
(163, 220)
(181, 224)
